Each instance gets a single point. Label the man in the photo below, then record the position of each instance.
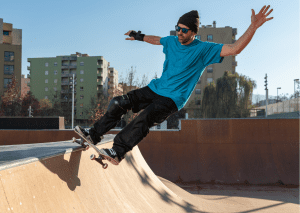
(186, 58)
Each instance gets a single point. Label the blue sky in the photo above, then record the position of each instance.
(52, 28)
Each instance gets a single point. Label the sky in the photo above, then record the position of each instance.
(97, 27)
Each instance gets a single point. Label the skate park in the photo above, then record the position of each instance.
(211, 165)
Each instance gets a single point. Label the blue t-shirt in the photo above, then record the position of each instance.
(183, 67)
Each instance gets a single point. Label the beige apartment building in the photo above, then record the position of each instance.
(224, 35)
(10, 54)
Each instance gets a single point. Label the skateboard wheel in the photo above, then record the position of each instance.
(105, 166)
(92, 157)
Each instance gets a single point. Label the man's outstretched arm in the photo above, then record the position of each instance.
(152, 39)
(243, 41)
(149, 39)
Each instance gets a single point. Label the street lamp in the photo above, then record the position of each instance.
(277, 97)
(266, 85)
(295, 93)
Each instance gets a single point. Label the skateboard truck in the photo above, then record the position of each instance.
(81, 143)
(99, 160)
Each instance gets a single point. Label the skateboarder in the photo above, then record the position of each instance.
(186, 59)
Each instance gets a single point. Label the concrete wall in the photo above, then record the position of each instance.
(228, 151)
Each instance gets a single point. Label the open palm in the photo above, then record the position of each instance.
(261, 17)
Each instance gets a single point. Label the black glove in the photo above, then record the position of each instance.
(137, 35)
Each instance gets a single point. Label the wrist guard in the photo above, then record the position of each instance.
(137, 35)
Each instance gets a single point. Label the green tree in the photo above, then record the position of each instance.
(229, 98)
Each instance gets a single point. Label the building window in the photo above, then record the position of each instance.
(81, 63)
(198, 91)
(46, 72)
(81, 88)
(46, 97)
(46, 89)
(55, 89)
(55, 72)
(5, 32)
(209, 80)
(8, 56)
(81, 72)
(55, 81)
(46, 64)
(8, 69)
(81, 97)
(209, 37)
(55, 64)
(81, 105)
(81, 80)
(198, 37)
(209, 69)
(6, 82)
(46, 81)
(198, 102)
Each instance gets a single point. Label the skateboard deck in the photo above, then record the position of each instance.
(100, 158)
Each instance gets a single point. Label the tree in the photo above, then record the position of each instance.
(29, 100)
(11, 99)
(45, 107)
(226, 99)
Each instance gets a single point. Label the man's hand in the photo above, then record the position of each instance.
(131, 38)
(261, 17)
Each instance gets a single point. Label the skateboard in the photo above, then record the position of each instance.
(101, 157)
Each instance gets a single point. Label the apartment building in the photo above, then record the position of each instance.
(53, 77)
(10, 55)
(209, 33)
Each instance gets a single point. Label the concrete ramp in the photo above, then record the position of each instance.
(71, 182)
(60, 177)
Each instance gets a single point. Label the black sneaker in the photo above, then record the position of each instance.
(111, 156)
(91, 134)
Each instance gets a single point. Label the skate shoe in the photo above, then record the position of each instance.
(111, 156)
(91, 134)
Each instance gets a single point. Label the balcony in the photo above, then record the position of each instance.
(99, 65)
(72, 66)
(28, 68)
(67, 91)
(65, 58)
(65, 83)
(7, 39)
(68, 74)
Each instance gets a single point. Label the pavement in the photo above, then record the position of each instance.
(60, 177)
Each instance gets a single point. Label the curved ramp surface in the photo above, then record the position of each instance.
(60, 177)
(71, 182)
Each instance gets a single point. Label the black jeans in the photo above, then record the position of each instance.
(156, 109)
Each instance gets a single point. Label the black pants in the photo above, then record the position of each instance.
(156, 109)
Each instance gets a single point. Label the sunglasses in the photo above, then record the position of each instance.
(184, 30)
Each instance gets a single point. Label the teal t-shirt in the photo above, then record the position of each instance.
(183, 67)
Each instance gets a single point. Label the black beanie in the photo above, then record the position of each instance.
(191, 20)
